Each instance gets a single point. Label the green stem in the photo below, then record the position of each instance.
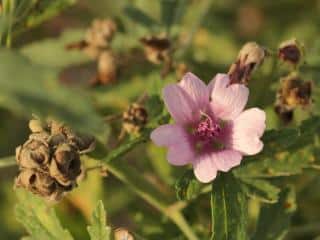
(7, 161)
(131, 178)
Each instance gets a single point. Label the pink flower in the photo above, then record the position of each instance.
(211, 130)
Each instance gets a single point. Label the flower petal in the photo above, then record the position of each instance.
(196, 89)
(179, 104)
(204, 168)
(226, 159)
(247, 130)
(180, 153)
(227, 102)
(169, 134)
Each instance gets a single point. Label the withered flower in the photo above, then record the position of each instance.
(156, 48)
(49, 161)
(290, 51)
(250, 57)
(135, 118)
(101, 32)
(293, 92)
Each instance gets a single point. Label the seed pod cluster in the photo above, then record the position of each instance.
(250, 57)
(49, 161)
(134, 118)
(293, 92)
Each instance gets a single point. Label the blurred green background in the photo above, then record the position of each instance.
(207, 35)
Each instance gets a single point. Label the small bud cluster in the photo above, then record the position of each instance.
(293, 92)
(250, 57)
(135, 118)
(49, 161)
(97, 45)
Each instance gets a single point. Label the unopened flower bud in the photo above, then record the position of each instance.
(35, 125)
(250, 57)
(33, 154)
(290, 51)
(65, 166)
(101, 32)
(135, 118)
(122, 234)
(156, 49)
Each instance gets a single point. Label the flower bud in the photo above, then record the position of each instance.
(290, 51)
(156, 49)
(101, 32)
(250, 57)
(65, 166)
(135, 118)
(33, 154)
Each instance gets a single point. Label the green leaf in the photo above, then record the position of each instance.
(99, 230)
(46, 9)
(39, 219)
(28, 88)
(187, 187)
(228, 209)
(274, 219)
(138, 16)
(168, 12)
(260, 189)
(42, 52)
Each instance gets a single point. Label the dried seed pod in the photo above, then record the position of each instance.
(101, 32)
(181, 70)
(293, 92)
(135, 118)
(122, 234)
(107, 68)
(39, 183)
(65, 166)
(33, 154)
(36, 126)
(290, 51)
(250, 57)
(156, 48)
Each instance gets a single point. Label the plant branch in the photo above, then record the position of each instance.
(7, 161)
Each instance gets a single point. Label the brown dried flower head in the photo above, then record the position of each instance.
(49, 161)
(135, 118)
(156, 48)
(250, 57)
(293, 92)
(101, 32)
(290, 51)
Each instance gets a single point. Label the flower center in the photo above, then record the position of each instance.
(207, 131)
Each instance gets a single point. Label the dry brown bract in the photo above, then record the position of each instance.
(250, 57)
(49, 161)
(134, 119)
(156, 48)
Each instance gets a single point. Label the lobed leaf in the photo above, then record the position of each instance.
(274, 219)
(99, 230)
(39, 219)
